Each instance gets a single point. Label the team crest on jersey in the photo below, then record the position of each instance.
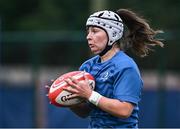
(104, 76)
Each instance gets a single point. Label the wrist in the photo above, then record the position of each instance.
(95, 98)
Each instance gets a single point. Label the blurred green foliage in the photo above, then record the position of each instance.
(71, 15)
(43, 14)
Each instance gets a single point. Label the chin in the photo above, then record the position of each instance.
(95, 52)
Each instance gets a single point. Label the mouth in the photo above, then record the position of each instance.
(91, 46)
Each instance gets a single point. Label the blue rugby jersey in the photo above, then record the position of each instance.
(117, 78)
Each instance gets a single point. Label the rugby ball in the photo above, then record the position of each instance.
(58, 96)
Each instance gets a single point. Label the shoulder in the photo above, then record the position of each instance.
(123, 62)
(88, 63)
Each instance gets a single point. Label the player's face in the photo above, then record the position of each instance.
(97, 39)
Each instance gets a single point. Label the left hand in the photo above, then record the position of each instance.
(79, 89)
(48, 85)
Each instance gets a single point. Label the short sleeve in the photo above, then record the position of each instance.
(81, 68)
(84, 67)
(128, 86)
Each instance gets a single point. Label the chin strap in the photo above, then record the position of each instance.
(107, 48)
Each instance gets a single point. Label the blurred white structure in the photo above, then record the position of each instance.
(23, 75)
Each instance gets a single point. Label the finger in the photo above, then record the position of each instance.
(70, 89)
(74, 80)
(49, 83)
(47, 87)
(69, 82)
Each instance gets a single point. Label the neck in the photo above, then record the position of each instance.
(110, 53)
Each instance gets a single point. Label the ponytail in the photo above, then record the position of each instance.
(140, 37)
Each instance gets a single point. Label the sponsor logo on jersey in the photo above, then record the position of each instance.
(104, 76)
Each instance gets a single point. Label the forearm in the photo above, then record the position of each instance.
(112, 106)
(115, 107)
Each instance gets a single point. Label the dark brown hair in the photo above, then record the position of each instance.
(140, 36)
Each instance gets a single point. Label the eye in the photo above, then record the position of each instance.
(92, 30)
(95, 30)
(87, 31)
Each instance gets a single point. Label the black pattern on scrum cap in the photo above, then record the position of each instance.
(110, 22)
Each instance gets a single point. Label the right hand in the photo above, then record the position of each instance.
(79, 88)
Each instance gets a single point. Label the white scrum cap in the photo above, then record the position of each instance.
(110, 22)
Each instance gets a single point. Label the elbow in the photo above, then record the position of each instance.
(124, 115)
(125, 110)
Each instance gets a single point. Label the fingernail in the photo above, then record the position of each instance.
(46, 86)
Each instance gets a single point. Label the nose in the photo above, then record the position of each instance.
(89, 36)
